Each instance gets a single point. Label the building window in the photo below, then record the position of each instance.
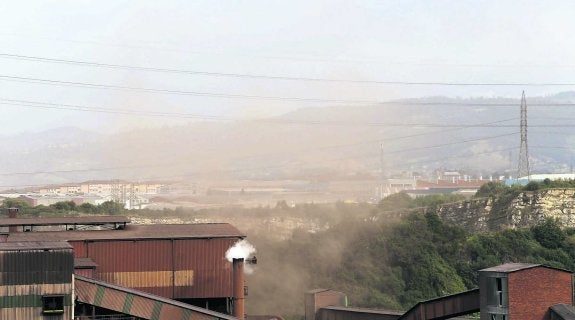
(499, 291)
(52, 304)
(498, 317)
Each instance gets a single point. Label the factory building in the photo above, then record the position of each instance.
(523, 291)
(36, 280)
(511, 291)
(169, 265)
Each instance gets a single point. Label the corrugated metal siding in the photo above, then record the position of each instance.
(142, 307)
(35, 267)
(212, 271)
(146, 264)
(35, 289)
(191, 268)
(171, 312)
(29, 274)
(139, 304)
(80, 249)
(85, 292)
(113, 300)
(85, 272)
(32, 314)
(126, 256)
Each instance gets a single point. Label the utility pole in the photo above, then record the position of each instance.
(523, 167)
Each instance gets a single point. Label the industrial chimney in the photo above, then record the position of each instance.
(12, 214)
(238, 281)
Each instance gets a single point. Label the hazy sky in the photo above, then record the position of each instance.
(412, 41)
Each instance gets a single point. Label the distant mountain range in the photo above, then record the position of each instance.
(478, 135)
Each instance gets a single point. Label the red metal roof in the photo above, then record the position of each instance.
(132, 232)
(88, 220)
(449, 184)
(36, 245)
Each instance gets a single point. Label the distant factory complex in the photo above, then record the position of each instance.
(156, 195)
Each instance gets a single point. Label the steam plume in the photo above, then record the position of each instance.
(240, 250)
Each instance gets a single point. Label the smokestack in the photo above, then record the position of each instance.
(238, 281)
(12, 214)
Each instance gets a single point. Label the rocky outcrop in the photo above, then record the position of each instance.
(514, 211)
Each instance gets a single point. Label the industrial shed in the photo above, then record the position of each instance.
(36, 280)
(185, 262)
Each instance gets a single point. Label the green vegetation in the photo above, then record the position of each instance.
(63, 208)
(498, 189)
(393, 264)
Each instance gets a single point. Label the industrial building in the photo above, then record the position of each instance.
(146, 271)
(512, 291)
(36, 280)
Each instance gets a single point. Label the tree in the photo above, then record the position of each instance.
(491, 188)
(549, 234)
(395, 201)
(111, 207)
(64, 206)
(15, 203)
(87, 208)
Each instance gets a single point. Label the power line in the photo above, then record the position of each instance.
(174, 92)
(260, 97)
(466, 155)
(59, 106)
(172, 164)
(120, 111)
(452, 143)
(267, 77)
(293, 58)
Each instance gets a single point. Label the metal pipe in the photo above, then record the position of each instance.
(238, 287)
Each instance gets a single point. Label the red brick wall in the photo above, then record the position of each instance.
(532, 291)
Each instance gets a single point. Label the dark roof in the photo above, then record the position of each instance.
(314, 291)
(512, 267)
(564, 311)
(264, 317)
(133, 232)
(88, 220)
(35, 245)
(84, 263)
(365, 310)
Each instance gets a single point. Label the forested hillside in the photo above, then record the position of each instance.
(393, 264)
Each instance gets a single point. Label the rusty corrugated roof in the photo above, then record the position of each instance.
(88, 220)
(154, 298)
(83, 263)
(365, 310)
(34, 245)
(131, 232)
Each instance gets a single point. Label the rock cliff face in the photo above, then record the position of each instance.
(513, 211)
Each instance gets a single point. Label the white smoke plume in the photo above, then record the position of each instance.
(241, 250)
